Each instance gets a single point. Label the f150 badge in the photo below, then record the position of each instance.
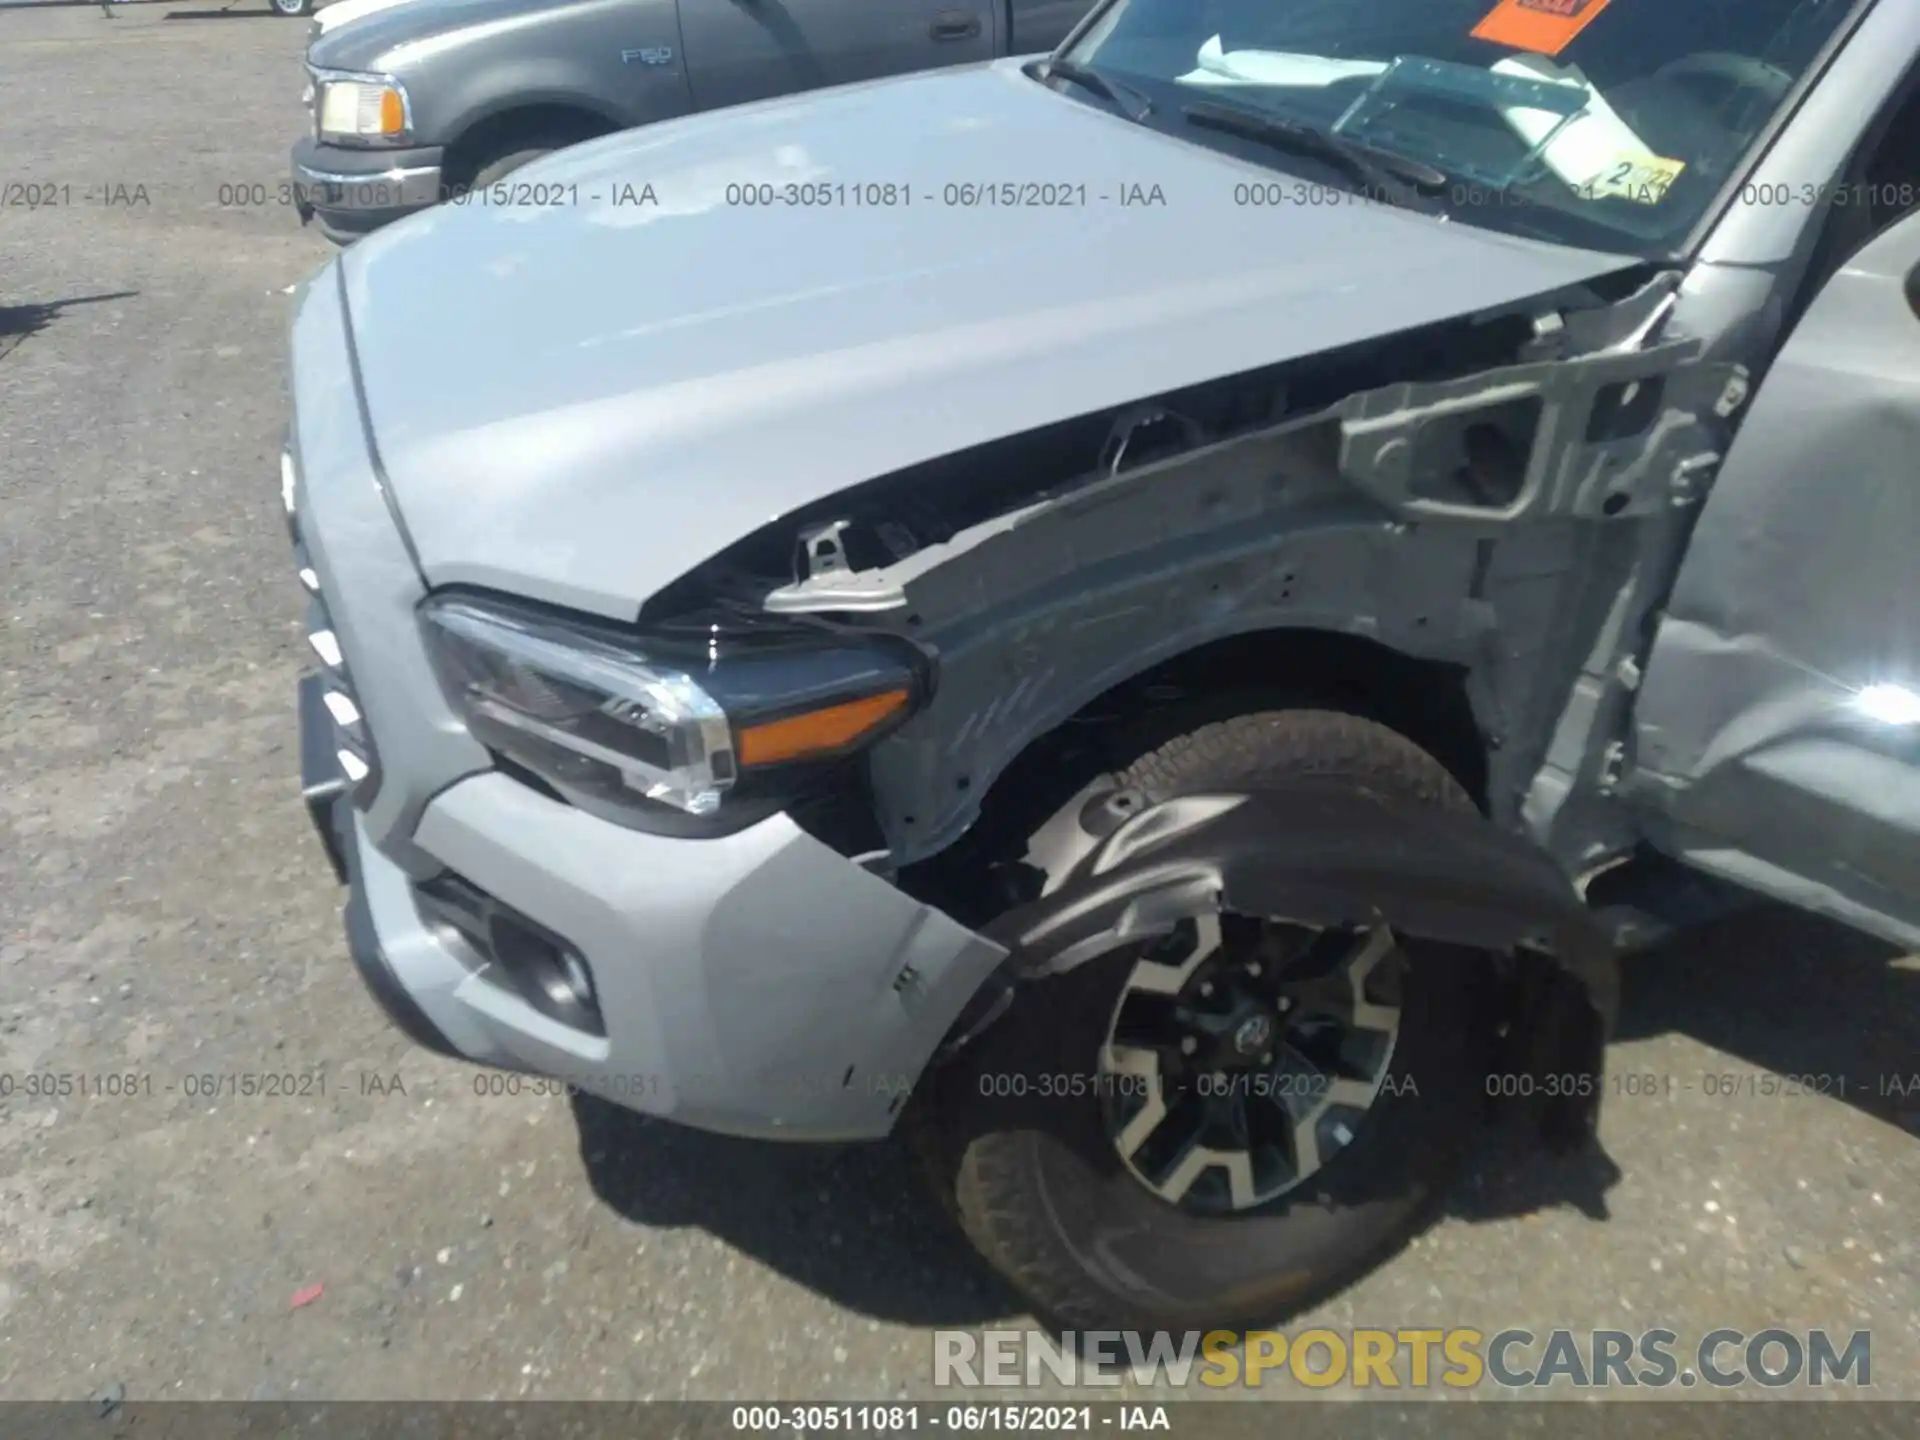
(650, 55)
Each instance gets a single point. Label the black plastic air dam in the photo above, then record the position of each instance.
(322, 781)
(363, 944)
(1324, 854)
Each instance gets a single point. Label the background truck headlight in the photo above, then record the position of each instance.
(360, 109)
(627, 723)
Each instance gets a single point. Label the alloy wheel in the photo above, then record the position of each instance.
(1243, 1054)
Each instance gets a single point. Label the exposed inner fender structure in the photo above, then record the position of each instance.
(1508, 523)
(1320, 854)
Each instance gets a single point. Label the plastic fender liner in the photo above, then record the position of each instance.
(1325, 854)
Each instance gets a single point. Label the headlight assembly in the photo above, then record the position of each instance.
(360, 109)
(624, 724)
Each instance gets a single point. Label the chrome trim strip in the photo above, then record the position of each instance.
(396, 188)
(398, 174)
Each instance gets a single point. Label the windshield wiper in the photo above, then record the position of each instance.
(1399, 179)
(1132, 103)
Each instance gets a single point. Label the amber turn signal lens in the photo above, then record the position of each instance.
(818, 732)
(393, 115)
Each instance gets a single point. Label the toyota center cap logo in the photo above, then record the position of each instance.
(1253, 1035)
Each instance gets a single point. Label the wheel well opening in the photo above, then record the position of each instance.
(499, 134)
(1425, 701)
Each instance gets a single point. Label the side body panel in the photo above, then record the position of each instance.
(620, 60)
(1771, 732)
(1341, 520)
(741, 50)
(1037, 25)
(1546, 607)
(1734, 301)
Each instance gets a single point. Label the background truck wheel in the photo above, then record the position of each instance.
(500, 160)
(293, 9)
(1227, 1126)
(504, 165)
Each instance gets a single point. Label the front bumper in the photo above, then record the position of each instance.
(354, 192)
(760, 984)
(757, 984)
(323, 786)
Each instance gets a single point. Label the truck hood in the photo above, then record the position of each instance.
(332, 17)
(580, 395)
(375, 34)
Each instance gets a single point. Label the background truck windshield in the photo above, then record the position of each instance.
(1606, 123)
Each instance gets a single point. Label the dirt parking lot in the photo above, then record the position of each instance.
(169, 936)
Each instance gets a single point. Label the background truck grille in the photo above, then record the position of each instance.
(352, 740)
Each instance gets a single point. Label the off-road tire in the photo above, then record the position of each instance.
(1037, 1185)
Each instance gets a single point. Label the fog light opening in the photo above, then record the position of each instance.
(549, 974)
(579, 980)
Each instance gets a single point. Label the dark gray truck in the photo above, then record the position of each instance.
(415, 102)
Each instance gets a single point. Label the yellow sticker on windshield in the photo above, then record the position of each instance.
(1641, 178)
(1545, 27)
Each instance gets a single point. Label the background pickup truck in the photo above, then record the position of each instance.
(399, 124)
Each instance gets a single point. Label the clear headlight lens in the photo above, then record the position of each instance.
(364, 110)
(605, 718)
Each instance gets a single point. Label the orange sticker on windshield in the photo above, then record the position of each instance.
(1545, 27)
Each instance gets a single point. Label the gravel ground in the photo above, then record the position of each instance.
(166, 915)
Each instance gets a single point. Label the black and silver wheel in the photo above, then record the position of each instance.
(293, 9)
(1244, 1054)
(1224, 1123)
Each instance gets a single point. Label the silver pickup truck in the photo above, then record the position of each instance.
(417, 101)
(1156, 616)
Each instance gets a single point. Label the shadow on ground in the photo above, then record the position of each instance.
(1776, 989)
(225, 13)
(1773, 990)
(855, 1223)
(1777, 992)
(21, 322)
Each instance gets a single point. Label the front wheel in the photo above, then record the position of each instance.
(498, 167)
(501, 159)
(1227, 1123)
(293, 9)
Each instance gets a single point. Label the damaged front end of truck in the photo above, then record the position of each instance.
(1469, 527)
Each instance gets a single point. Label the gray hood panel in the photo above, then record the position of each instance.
(580, 402)
(375, 39)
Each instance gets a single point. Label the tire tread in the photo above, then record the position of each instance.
(987, 1179)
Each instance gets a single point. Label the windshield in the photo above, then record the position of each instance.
(1605, 123)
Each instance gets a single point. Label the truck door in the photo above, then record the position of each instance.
(739, 50)
(1040, 25)
(1777, 728)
